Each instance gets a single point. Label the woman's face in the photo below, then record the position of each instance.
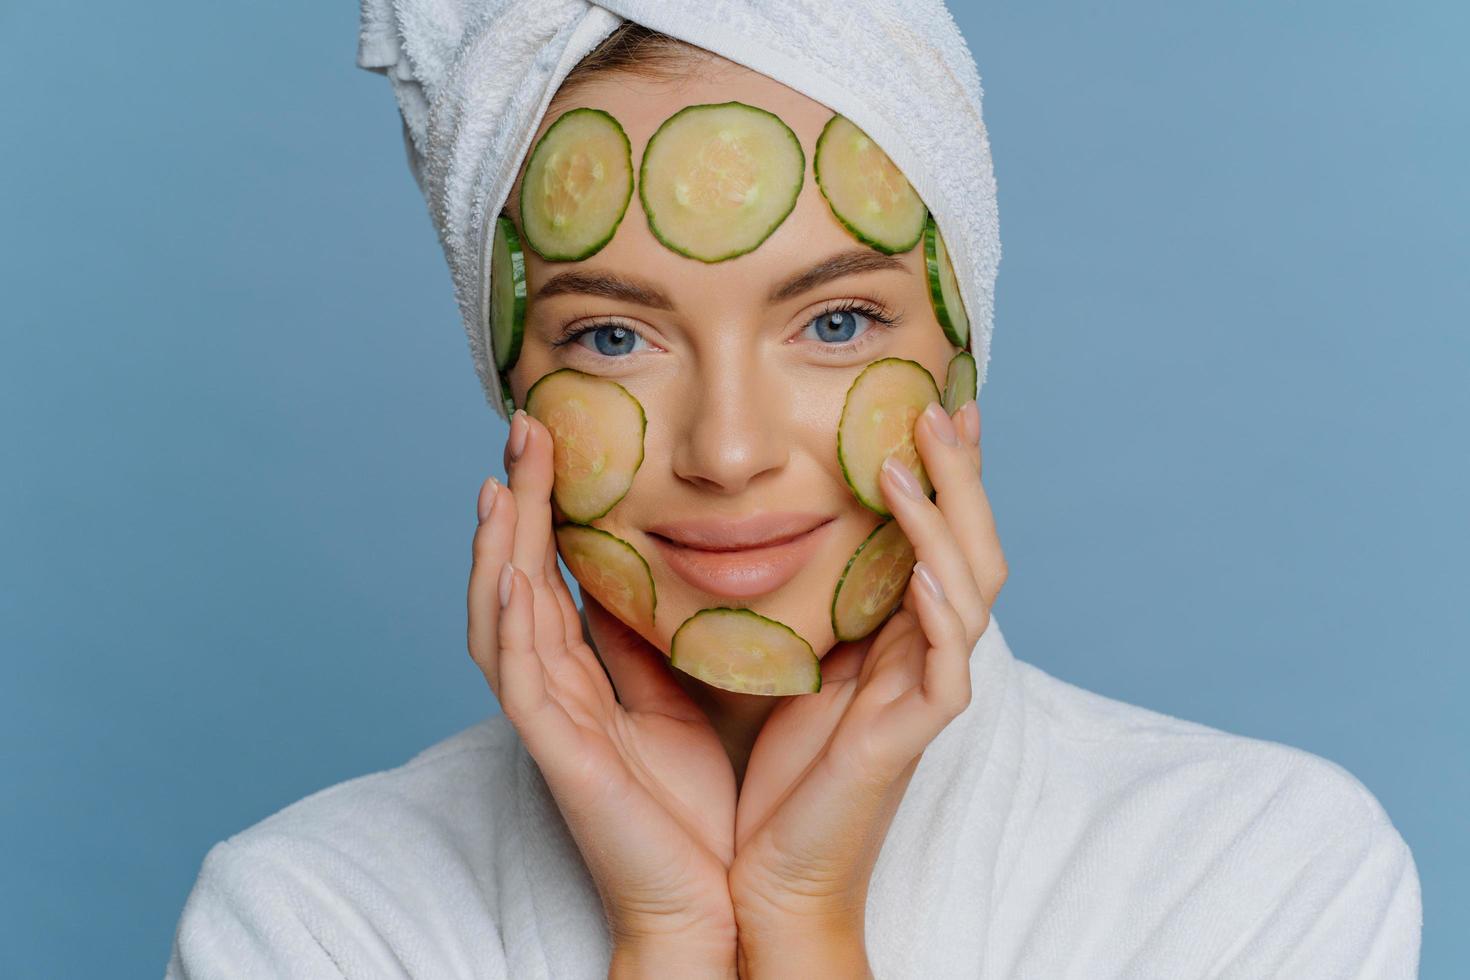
(741, 367)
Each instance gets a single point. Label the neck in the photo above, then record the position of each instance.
(737, 718)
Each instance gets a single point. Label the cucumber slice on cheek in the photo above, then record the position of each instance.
(610, 569)
(878, 420)
(597, 430)
(743, 651)
(873, 582)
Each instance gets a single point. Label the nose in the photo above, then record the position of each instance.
(732, 430)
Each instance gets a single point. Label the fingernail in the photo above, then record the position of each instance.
(505, 579)
(904, 477)
(519, 429)
(488, 495)
(970, 414)
(943, 425)
(931, 583)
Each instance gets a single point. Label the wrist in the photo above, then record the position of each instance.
(695, 957)
(828, 947)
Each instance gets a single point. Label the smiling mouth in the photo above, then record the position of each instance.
(741, 572)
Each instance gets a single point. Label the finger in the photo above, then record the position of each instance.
(953, 465)
(489, 551)
(916, 716)
(531, 481)
(543, 724)
(571, 619)
(982, 544)
(967, 424)
(936, 540)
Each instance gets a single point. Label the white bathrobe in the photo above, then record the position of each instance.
(1048, 832)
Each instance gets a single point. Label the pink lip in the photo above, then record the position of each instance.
(740, 559)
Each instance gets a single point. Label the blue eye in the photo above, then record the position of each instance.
(608, 339)
(840, 324)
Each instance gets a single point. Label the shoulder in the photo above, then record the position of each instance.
(1146, 753)
(341, 882)
(454, 782)
(1280, 858)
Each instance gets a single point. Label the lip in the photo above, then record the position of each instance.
(740, 559)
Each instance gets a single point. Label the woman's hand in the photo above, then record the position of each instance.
(637, 770)
(828, 770)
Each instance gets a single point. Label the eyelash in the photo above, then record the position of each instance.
(873, 311)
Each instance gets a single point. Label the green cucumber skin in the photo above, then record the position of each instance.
(648, 212)
(936, 294)
(642, 432)
(878, 508)
(674, 640)
(599, 245)
(507, 398)
(837, 592)
(851, 229)
(505, 360)
(652, 588)
(963, 361)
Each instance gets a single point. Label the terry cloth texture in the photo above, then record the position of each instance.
(1046, 832)
(473, 79)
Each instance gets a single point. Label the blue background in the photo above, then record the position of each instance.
(1225, 431)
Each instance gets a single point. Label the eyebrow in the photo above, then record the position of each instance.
(611, 285)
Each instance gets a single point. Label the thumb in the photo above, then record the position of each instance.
(640, 673)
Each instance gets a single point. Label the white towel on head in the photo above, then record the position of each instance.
(473, 79)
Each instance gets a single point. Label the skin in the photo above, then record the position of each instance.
(720, 826)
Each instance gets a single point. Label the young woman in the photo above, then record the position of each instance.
(629, 816)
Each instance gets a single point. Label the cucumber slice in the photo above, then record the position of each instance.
(611, 569)
(944, 288)
(878, 420)
(577, 186)
(866, 192)
(507, 399)
(959, 381)
(507, 293)
(872, 584)
(717, 179)
(597, 431)
(743, 651)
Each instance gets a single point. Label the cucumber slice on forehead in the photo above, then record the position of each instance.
(944, 288)
(717, 179)
(878, 420)
(873, 582)
(597, 431)
(743, 651)
(507, 294)
(577, 185)
(959, 381)
(866, 192)
(610, 569)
